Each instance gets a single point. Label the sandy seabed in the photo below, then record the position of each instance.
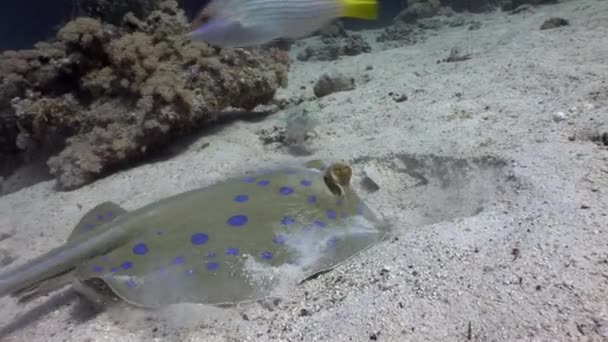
(488, 171)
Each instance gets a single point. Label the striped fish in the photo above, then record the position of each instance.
(240, 23)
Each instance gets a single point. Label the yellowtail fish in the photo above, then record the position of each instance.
(241, 23)
(213, 245)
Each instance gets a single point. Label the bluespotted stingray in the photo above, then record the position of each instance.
(209, 245)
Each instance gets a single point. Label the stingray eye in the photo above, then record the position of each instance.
(333, 187)
(341, 174)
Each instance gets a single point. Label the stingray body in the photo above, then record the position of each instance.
(211, 245)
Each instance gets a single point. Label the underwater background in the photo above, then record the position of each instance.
(44, 17)
(477, 128)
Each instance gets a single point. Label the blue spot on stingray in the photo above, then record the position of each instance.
(331, 214)
(89, 226)
(97, 269)
(126, 265)
(305, 182)
(285, 191)
(248, 179)
(105, 258)
(211, 255)
(312, 199)
(99, 217)
(279, 239)
(212, 266)
(113, 269)
(237, 220)
(339, 202)
(266, 255)
(199, 238)
(130, 283)
(241, 198)
(189, 272)
(140, 249)
(232, 251)
(263, 182)
(319, 224)
(178, 260)
(287, 220)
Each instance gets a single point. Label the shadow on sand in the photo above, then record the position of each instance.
(81, 312)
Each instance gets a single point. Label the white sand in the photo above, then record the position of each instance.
(453, 264)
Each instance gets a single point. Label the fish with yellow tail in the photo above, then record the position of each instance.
(242, 23)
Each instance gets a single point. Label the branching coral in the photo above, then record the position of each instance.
(103, 96)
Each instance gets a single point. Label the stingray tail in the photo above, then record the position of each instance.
(55, 269)
(50, 271)
(44, 287)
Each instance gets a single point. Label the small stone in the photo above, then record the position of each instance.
(476, 25)
(304, 312)
(336, 82)
(400, 98)
(559, 116)
(554, 22)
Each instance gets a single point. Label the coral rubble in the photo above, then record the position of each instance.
(335, 42)
(101, 96)
(333, 82)
(554, 22)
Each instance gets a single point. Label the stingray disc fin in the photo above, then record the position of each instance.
(316, 164)
(103, 213)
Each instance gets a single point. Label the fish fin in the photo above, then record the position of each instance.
(360, 9)
(101, 214)
(213, 9)
(210, 10)
(44, 287)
